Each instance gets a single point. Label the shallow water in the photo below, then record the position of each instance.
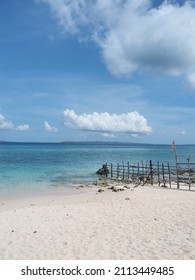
(41, 166)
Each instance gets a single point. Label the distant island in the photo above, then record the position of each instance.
(80, 143)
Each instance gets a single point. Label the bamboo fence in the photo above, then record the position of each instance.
(164, 174)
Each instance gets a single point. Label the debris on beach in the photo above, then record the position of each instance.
(104, 184)
(100, 190)
(117, 188)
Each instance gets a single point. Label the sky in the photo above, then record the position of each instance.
(101, 70)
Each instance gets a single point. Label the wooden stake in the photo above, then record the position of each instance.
(169, 174)
(128, 171)
(158, 173)
(177, 173)
(163, 173)
(151, 173)
(188, 159)
(117, 170)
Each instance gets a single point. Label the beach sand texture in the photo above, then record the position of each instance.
(138, 223)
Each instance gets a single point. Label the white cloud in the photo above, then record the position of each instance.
(5, 124)
(8, 125)
(50, 128)
(23, 127)
(151, 39)
(133, 34)
(131, 122)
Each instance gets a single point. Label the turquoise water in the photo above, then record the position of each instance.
(52, 165)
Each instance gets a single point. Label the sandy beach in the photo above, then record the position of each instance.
(137, 223)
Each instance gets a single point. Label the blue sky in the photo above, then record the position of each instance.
(100, 70)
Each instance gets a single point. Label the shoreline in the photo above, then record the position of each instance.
(43, 189)
(138, 223)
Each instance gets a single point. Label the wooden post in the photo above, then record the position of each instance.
(138, 171)
(163, 173)
(111, 171)
(151, 173)
(188, 159)
(123, 172)
(128, 170)
(169, 174)
(117, 170)
(177, 173)
(106, 169)
(158, 166)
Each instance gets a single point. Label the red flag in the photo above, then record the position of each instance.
(173, 146)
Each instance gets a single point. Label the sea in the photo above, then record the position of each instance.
(40, 167)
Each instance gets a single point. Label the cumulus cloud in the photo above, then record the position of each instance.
(131, 122)
(50, 128)
(135, 34)
(8, 125)
(5, 124)
(23, 127)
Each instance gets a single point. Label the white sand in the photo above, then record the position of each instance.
(141, 223)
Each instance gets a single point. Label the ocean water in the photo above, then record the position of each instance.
(39, 167)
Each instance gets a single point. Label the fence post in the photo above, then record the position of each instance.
(151, 173)
(133, 171)
(117, 170)
(177, 174)
(138, 171)
(106, 169)
(123, 172)
(128, 171)
(111, 170)
(188, 159)
(163, 174)
(158, 173)
(169, 174)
